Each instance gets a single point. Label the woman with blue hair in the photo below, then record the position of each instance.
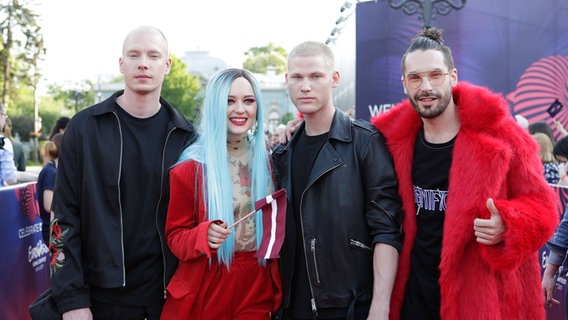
(214, 184)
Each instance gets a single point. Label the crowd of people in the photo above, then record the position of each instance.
(13, 158)
(422, 212)
(551, 150)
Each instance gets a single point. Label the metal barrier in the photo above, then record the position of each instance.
(24, 263)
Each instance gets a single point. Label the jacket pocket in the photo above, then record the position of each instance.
(177, 288)
(186, 281)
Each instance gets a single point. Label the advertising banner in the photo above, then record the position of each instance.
(517, 48)
(24, 267)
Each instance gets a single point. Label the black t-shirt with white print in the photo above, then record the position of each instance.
(430, 172)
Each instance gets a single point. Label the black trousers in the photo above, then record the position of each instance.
(103, 311)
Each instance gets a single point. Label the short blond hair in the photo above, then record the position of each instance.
(313, 49)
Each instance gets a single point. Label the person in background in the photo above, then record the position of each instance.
(549, 162)
(477, 209)
(109, 255)
(543, 127)
(560, 127)
(212, 186)
(46, 182)
(280, 129)
(8, 170)
(19, 154)
(560, 151)
(340, 251)
(60, 126)
(558, 246)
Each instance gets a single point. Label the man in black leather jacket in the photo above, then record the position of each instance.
(109, 255)
(343, 235)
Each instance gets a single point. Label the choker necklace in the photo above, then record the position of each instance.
(237, 147)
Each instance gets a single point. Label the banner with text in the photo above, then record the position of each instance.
(24, 269)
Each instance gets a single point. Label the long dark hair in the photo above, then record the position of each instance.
(429, 39)
(61, 123)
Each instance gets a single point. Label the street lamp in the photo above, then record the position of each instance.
(346, 10)
(76, 94)
(348, 4)
(426, 7)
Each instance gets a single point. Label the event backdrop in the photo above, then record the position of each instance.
(518, 48)
(24, 267)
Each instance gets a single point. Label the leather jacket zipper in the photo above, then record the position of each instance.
(314, 308)
(359, 244)
(314, 258)
(312, 300)
(310, 280)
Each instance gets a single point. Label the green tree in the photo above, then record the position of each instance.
(286, 117)
(22, 46)
(22, 112)
(182, 89)
(76, 99)
(50, 110)
(259, 58)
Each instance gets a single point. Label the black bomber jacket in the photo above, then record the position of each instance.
(87, 202)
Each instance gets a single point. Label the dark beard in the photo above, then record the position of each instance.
(443, 102)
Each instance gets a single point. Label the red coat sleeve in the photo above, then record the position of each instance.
(186, 222)
(528, 210)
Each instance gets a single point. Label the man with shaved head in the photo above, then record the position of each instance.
(109, 256)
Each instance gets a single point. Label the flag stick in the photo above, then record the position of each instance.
(242, 219)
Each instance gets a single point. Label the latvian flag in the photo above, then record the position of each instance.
(274, 222)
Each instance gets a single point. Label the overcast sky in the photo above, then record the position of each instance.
(84, 38)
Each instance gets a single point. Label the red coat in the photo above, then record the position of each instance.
(186, 235)
(492, 158)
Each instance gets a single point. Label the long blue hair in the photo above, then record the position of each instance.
(211, 151)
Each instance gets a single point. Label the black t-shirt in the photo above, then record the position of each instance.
(430, 171)
(140, 180)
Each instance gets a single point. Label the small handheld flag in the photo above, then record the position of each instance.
(554, 108)
(273, 209)
(274, 223)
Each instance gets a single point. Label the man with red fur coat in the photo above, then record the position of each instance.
(477, 208)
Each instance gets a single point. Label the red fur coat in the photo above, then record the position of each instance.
(492, 158)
